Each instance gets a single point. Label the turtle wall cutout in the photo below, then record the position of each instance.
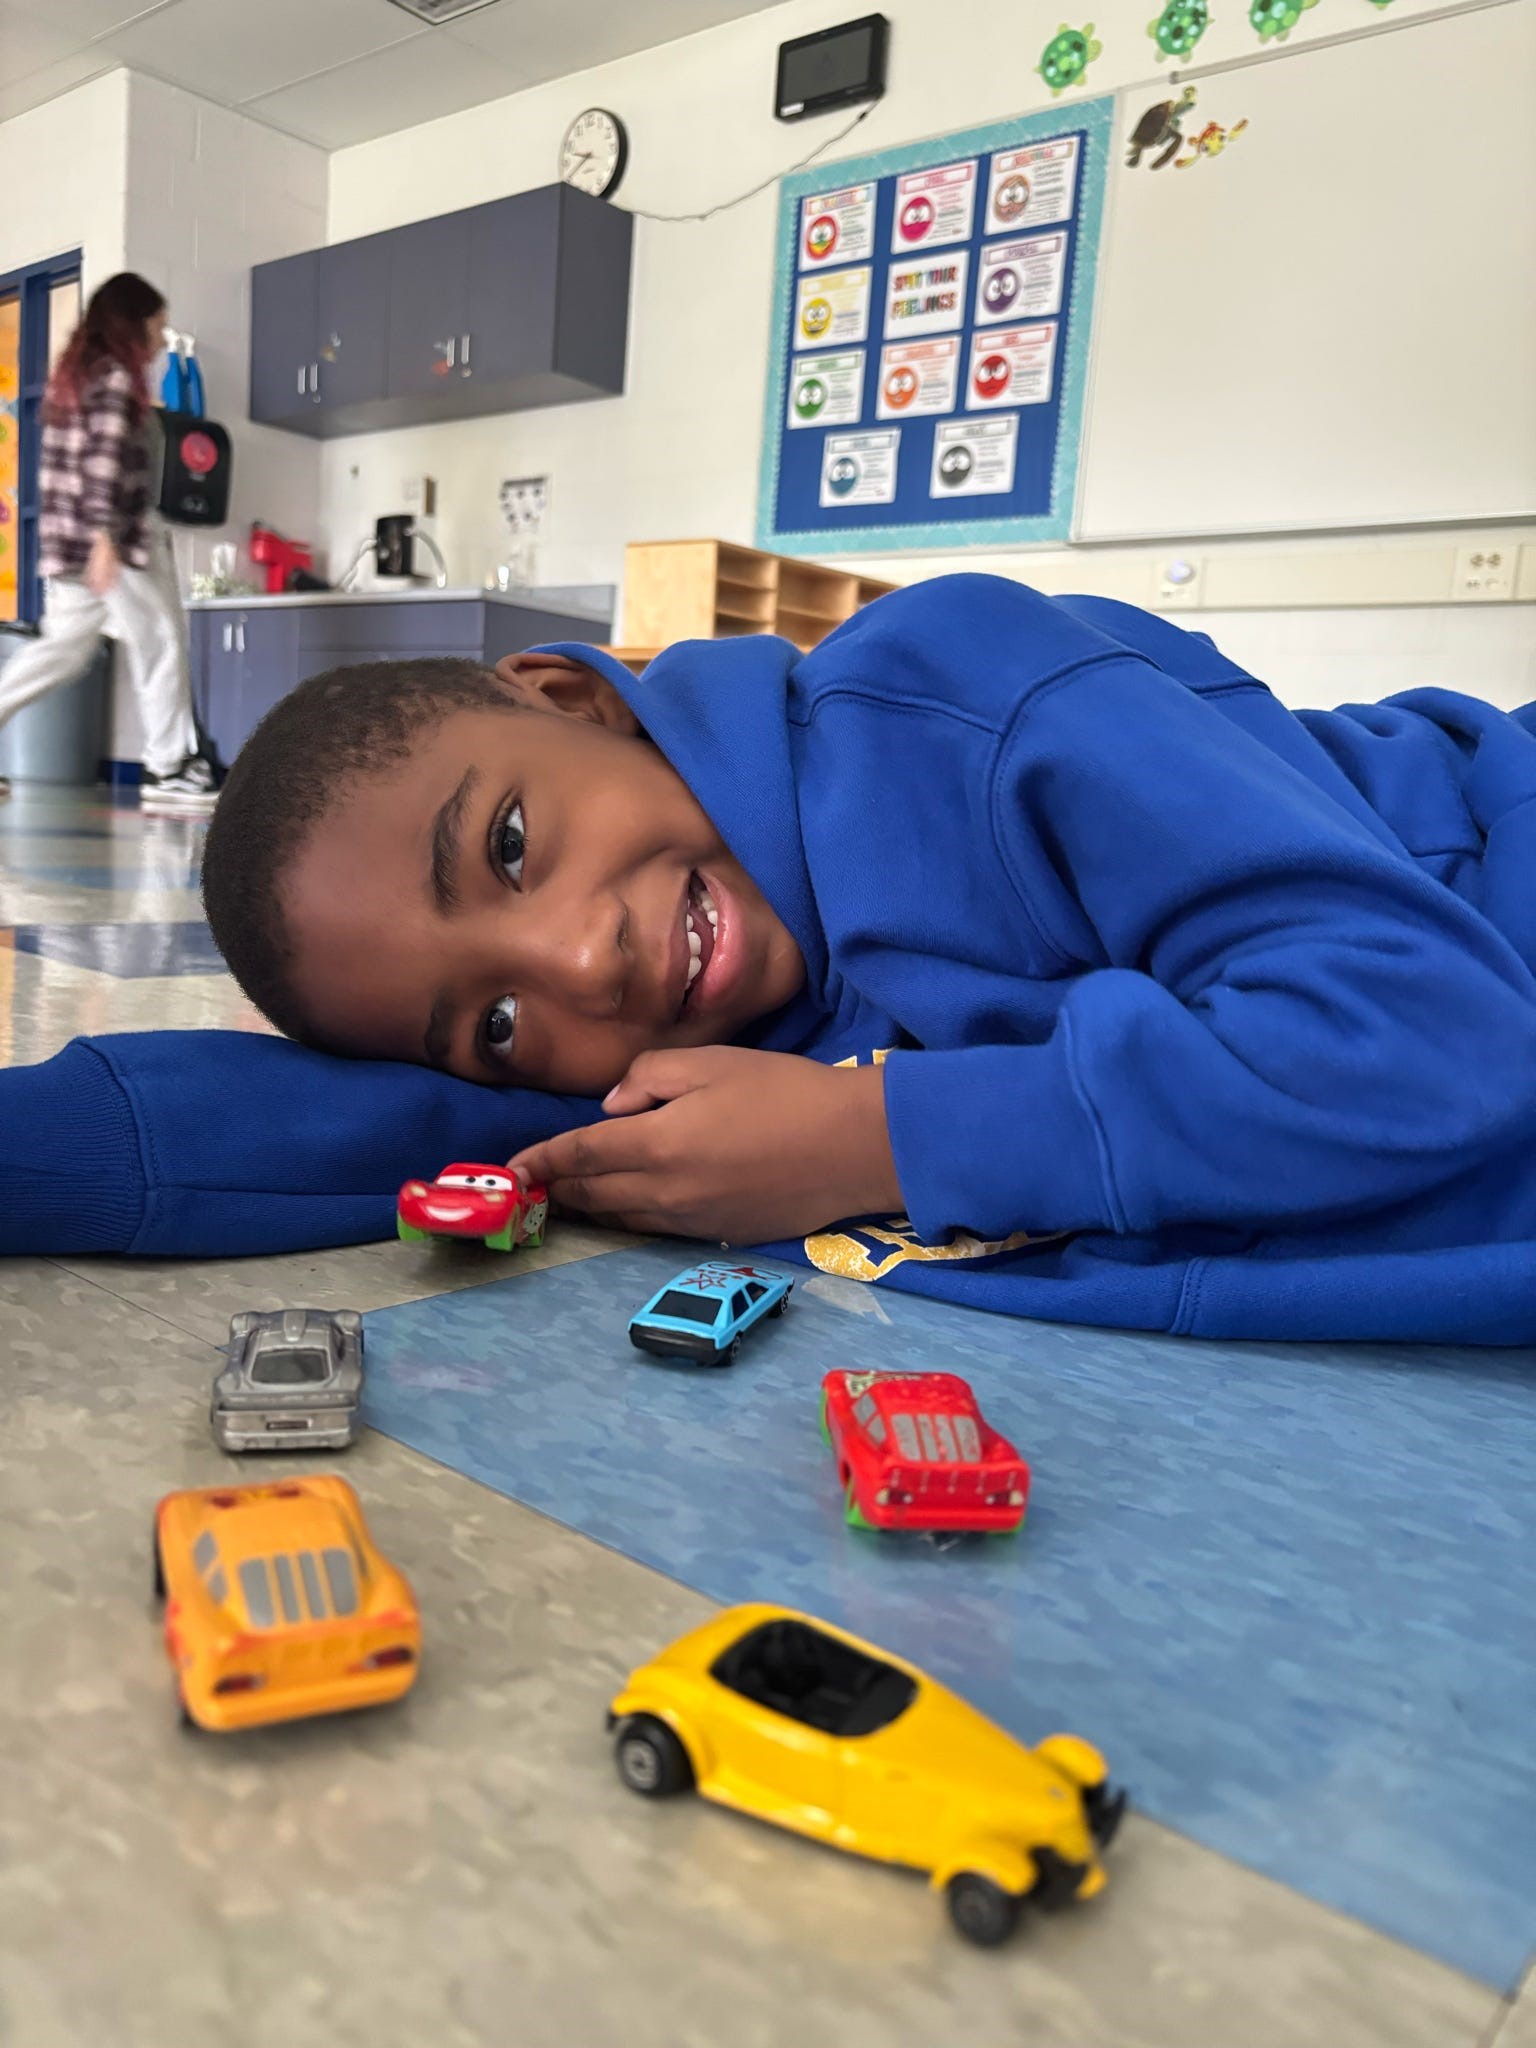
(1159, 134)
(1180, 26)
(1065, 59)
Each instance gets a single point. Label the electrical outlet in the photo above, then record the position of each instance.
(1177, 583)
(524, 501)
(1485, 571)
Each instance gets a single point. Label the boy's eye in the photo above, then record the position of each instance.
(501, 1027)
(510, 844)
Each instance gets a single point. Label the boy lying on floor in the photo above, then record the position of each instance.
(1232, 1007)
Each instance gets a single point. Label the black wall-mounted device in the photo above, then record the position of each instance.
(836, 67)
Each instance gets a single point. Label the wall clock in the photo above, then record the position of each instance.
(593, 153)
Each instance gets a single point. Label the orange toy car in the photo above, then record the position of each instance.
(278, 1605)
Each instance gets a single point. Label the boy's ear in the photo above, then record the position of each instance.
(553, 682)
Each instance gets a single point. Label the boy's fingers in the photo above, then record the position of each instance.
(594, 1149)
(658, 1077)
(616, 1201)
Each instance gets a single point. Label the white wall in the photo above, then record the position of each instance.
(61, 176)
(1323, 658)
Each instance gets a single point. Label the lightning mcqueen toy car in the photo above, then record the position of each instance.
(915, 1452)
(473, 1201)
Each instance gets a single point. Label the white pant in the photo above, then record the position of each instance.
(143, 613)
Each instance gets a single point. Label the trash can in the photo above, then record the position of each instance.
(59, 737)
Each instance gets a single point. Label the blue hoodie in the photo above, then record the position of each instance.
(1196, 1014)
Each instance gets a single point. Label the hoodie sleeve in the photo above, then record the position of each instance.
(212, 1143)
(1287, 1021)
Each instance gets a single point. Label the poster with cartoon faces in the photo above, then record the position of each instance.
(1011, 366)
(1021, 280)
(831, 308)
(825, 391)
(974, 458)
(1031, 187)
(932, 308)
(918, 377)
(837, 227)
(933, 207)
(860, 469)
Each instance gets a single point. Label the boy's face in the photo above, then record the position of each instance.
(513, 901)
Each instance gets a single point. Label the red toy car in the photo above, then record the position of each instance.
(473, 1201)
(915, 1452)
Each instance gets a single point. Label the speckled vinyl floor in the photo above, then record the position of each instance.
(465, 1868)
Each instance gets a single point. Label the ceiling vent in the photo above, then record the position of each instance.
(436, 12)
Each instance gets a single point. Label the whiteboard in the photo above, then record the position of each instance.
(1333, 323)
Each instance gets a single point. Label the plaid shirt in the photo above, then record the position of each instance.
(93, 477)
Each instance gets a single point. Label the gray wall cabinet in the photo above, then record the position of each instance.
(244, 658)
(518, 303)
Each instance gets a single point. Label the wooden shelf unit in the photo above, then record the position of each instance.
(715, 590)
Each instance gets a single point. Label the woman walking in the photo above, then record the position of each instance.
(105, 551)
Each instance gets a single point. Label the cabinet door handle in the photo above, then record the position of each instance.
(229, 638)
(301, 380)
(453, 350)
(240, 638)
(464, 356)
(314, 381)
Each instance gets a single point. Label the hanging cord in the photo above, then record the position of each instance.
(772, 179)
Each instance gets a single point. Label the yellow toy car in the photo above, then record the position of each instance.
(278, 1605)
(799, 1723)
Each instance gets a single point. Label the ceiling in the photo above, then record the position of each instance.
(331, 71)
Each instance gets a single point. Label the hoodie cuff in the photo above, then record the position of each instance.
(71, 1173)
(994, 1139)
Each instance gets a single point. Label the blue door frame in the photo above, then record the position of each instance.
(32, 283)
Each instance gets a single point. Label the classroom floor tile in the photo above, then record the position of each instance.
(465, 1868)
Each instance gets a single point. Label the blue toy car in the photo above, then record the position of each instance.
(702, 1313)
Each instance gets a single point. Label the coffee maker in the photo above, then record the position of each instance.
(393, 548)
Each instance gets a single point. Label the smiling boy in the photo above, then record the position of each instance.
(1150, 960)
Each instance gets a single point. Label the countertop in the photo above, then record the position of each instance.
(592, 601)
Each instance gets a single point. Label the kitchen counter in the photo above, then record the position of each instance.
(591, 601)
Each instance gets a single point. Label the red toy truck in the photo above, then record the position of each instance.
(915, 1452)
(473, 1201)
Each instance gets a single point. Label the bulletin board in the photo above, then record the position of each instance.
(931, 316)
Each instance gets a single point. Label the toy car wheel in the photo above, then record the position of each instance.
(826, 1428)
(782, 1303)
(853, 1514)
(980, 1910)
(500, 1240)
(1105, 1808)
(650, 1758)
(729, 1353)
(408, 1233)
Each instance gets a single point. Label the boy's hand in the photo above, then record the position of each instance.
(721, 1141)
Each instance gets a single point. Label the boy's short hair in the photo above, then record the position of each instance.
(325, 735)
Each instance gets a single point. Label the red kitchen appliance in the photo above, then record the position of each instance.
(280, 558)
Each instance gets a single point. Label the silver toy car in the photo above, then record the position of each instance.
(293, 1382)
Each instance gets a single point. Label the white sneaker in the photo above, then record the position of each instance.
(186, 792)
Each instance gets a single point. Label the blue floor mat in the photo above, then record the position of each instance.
(1290, 1591)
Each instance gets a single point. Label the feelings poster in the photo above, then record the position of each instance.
(932, 308)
